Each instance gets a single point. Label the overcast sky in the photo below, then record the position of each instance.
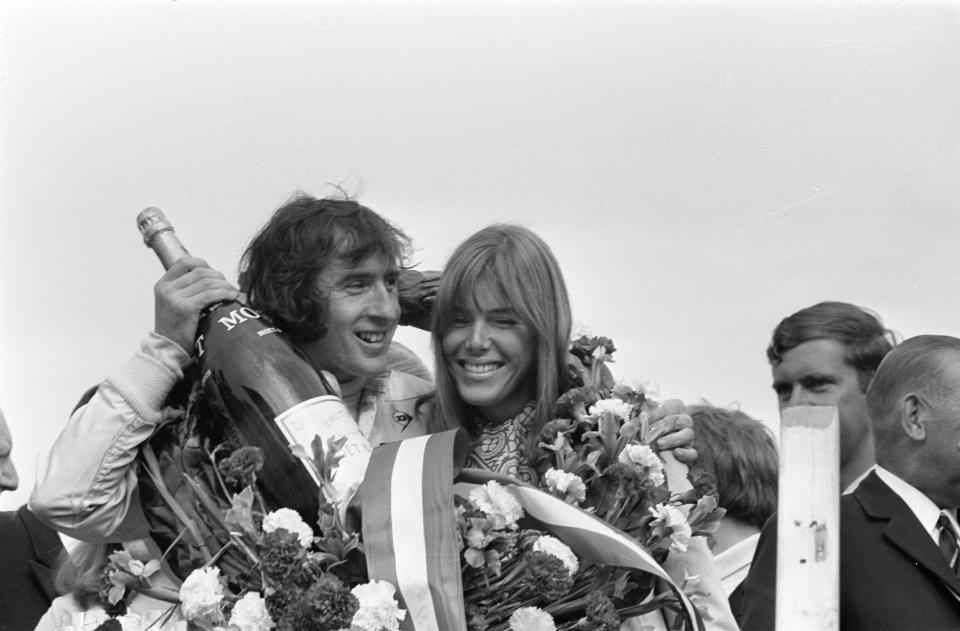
(701, 170)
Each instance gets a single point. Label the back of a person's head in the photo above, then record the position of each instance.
(80, 572)
(279, 268)
(915, 366)
(740, 452)
(517, 264)
(860, 331)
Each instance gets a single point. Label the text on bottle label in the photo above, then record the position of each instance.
(237, 316)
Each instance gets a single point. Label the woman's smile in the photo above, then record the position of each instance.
(479, 369)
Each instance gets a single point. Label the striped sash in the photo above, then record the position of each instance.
(410, 539)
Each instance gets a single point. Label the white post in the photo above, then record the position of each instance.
(808, 522)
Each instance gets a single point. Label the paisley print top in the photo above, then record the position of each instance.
(501, 447)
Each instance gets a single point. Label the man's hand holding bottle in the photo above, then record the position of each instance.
(188, 287)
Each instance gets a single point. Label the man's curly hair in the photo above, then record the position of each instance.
(279, 269)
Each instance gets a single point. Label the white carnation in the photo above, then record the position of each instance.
(289, 520)
(378, 608)
(617, 407)
(250, 614)
(531, 619)
(569, 485)
(498, 503)
(643, 456)
(201, 594)
(676, 521)
(555, 547)
(639, 454)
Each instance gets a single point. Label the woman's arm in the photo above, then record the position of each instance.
(697, 561)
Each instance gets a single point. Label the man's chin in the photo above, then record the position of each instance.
(373, 368)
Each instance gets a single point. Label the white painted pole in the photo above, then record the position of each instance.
(808, 522)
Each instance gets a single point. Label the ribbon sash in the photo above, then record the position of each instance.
(410, 531)
(410, 537)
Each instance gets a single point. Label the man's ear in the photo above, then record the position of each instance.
(910, 407)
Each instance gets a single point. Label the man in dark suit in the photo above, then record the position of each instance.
(898, 529)
(28, 554)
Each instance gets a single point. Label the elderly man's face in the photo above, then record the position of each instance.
(9, 481)
(941, 445)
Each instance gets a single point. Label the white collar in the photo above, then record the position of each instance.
(736, 559)
(922, 506)
(745, 545)
(856, 481)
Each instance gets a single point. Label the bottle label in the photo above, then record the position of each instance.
(236, 316)
(326, 416)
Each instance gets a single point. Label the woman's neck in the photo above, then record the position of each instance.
(506, 408)
(501, 414)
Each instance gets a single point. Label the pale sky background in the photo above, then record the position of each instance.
(701, 170)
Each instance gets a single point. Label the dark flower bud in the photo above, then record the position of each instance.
(601, 614)
(283, 558)
(548, 575)
(238, 468)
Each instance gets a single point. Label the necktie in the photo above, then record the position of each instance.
(948, 542)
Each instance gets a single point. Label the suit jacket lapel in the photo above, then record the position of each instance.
(903, 529)
(46, 546)
(906, 533)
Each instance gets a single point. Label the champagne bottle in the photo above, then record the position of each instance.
(268, 392)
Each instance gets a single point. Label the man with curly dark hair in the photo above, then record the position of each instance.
(327, 271)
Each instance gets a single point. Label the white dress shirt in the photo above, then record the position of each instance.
(733, 564)
(926, 512)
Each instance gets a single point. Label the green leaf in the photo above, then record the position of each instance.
(152, 567)
(240, 513)
(622, 585)
(299, 451)
(474, 558)
(115, 594)
(705, 517)
(592, 459)
(493, 561)
(120, 559)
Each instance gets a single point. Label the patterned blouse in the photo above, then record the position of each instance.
(501, 447)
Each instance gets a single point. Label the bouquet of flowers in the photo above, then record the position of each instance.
(269, 570)
(524, 579)
(598, 454)
(249, 568)
(595, 455)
